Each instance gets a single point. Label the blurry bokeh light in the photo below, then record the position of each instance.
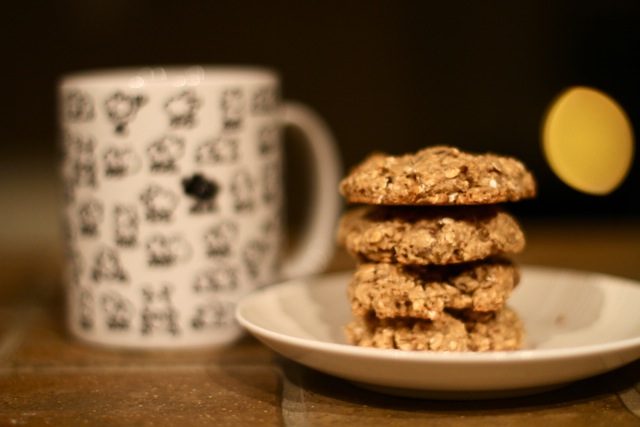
(588, 140)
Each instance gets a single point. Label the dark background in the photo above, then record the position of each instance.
(386, 75)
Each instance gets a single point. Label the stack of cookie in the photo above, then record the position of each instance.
(433, 245)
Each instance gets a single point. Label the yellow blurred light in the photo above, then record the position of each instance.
(588, 140)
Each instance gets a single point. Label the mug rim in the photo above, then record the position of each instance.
(169, 75)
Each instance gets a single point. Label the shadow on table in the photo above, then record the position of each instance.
(337, 392)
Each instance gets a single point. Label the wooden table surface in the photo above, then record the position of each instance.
(46, 378)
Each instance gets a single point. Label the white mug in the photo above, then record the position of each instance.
(174, 202)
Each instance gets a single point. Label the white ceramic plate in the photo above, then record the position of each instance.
(578, 324)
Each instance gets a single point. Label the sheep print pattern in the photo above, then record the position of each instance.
(172, 209)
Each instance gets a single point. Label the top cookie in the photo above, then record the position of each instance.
(438, 175)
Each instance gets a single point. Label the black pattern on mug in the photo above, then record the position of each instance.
(119, 162)
(272, 225)
(182, 109)
(253, 255)
(90, 215)
(219, 239)
(84, 162)
(117, 311)
(165, 153)
(159, 203)
(159, 314)
(77, 106)
(202, 191)
(268, 140)
(165, 251)
(122, 109)
(243, 192)
(220, 150)
(265, 100)
(86, 309)
(107, 267)
(126, 225)
(219, 278)
(271, 182)
(214, 315)
(232, 108)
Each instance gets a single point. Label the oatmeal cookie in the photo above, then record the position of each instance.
(445, 334)
(494, 331)
(392, 290)
(428, 235)
(438, 175)
(501, 331)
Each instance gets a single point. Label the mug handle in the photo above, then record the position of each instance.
(316, 243)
